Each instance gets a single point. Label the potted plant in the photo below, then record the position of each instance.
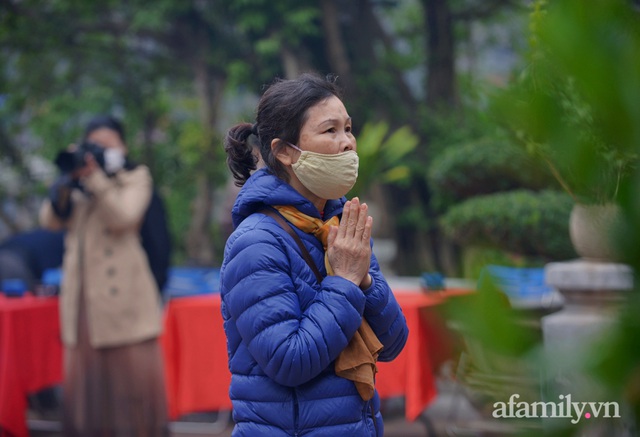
(565, 107)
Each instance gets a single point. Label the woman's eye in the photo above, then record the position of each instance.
(349, 129)
(331, 129)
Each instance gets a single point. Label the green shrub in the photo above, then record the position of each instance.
(481, 167)
(520, 221)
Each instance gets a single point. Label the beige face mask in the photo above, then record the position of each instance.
(327, 176)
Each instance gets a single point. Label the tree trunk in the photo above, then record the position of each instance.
(414, 254)
(290, 63)
(440, 86)
(335, 48)
(199, 246)
(198, 243)
(364, 32)
(441, 95)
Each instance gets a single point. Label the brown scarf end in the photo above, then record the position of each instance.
(366, 391)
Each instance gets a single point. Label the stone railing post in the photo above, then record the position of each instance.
(593, 293)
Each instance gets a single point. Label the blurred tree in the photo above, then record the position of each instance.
(167, 66)
(579, 104)
(550, 112)
(131, 59)
(402, 67)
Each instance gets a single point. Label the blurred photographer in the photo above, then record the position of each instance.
(110, 305)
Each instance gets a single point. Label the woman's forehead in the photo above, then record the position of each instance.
(327, 111)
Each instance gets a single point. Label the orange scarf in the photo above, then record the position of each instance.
(357, 362)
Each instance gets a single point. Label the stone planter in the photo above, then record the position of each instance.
(590, 230)
(594, 292)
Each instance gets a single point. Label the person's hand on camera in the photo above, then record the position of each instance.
(60, 196)
(349, 248)
(90, 166)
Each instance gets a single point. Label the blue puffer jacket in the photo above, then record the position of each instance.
(284, 330)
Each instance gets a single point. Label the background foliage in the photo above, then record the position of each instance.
(483, 166)
(573, 107)
(518, 221)
(563, 114)
(181, 72)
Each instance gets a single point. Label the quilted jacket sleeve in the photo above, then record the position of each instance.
(291, 329)
(383, 313)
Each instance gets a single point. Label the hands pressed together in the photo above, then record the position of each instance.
(349, 248)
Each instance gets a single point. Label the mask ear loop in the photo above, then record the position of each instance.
(295, 147)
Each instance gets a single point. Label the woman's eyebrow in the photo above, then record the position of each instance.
(333, 121)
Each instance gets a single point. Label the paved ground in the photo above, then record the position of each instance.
(450, 415)
(444, 417)
(454, 412)
(213, 426)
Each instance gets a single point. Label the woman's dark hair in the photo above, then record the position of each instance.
(281, 112)
(105, 121)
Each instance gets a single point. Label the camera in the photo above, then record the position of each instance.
(70, 161)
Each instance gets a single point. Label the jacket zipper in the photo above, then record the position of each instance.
(373, 417)
(296, 412)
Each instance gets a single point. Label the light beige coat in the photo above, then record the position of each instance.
(104, 258)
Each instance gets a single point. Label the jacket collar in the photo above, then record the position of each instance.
(265, 189)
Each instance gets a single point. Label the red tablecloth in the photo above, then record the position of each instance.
(30, 356)
(196, 356)
(195, 353)
(412, 373)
